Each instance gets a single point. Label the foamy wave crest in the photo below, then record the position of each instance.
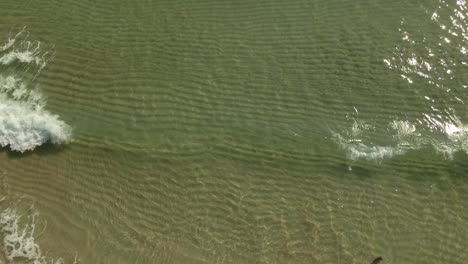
(24, 124)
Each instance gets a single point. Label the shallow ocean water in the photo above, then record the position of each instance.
(233, 132)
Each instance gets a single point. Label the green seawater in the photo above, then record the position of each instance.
(300, 131)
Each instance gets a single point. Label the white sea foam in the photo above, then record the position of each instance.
(373, 153)
(358, 144)
(24, 124)
(357, 149)
(19, 49)
(18, 242)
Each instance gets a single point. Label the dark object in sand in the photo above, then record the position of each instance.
(377, 260)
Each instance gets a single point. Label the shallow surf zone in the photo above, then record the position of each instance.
(24, 122)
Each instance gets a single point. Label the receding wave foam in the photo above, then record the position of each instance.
(24, 123)
(357, 150)
(17, 242)
(18, 49)
(358, 144)
(17, 239)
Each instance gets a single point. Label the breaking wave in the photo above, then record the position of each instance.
(24, 123)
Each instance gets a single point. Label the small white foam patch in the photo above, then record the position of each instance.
(17, 49)
(357, 150)
(373, 153)
(24, 124)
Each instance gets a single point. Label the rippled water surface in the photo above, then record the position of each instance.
(301, 131)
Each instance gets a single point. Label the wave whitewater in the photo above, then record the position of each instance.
(24, 123)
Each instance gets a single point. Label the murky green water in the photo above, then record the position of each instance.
(234, 131)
